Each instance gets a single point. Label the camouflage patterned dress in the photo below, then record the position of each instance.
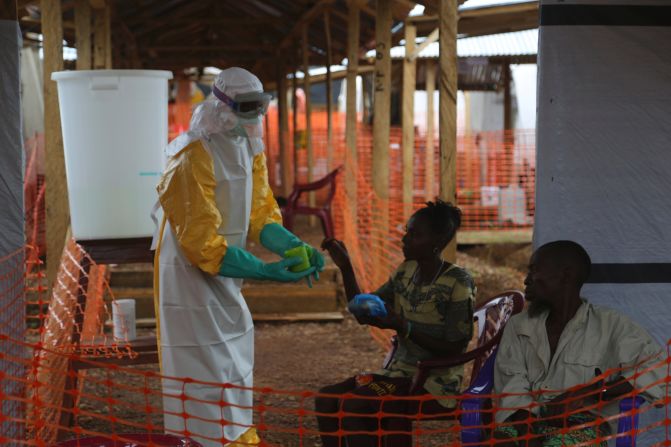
(443, 310)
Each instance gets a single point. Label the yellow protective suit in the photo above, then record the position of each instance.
(213, 193)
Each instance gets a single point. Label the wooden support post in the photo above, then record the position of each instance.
(508, 136)
(57, 207)
(448, 109)
(408, 120)
(351, 165)
(430, 177)
(283, 131)
(99, 42)
(108, 35)
(308, 116)
(329, 94)
(83, 34)
(102, 38)
(381, 117)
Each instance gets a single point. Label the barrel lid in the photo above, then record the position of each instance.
(72, 74)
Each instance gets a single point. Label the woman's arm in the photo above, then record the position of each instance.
(338, 253)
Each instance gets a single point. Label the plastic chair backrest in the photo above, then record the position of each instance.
(300, 188)
(492, 317)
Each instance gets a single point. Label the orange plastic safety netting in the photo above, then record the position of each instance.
(70, 378)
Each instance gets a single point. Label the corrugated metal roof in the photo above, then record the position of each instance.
(519, 43)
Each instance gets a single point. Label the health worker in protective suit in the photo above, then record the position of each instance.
(214, 193)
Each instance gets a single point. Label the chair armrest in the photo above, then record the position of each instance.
(627, 423)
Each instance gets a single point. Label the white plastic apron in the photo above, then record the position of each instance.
(207, 332)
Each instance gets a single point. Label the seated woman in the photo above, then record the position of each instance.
(429, 303)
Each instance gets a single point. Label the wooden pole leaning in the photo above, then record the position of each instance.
(57, 208)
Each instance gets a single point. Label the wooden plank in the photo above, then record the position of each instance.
(57, 208)
(448, 109)
(351, 165)
(308, 116)
(430, 177)
(408, 120)
(381, 118)
(329, 94)
(83, 34)
(508, 135)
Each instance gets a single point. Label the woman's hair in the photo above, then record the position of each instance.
(443, 217)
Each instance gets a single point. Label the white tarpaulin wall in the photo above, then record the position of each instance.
(12, 304)
(604, 150)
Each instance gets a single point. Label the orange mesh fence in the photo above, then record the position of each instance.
(66, 379)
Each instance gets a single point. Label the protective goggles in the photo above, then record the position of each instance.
(246, 105)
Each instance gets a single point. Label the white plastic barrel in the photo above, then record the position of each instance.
(115, 128)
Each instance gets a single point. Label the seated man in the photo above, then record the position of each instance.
(562, 342)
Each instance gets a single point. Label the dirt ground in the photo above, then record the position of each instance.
(292, 358)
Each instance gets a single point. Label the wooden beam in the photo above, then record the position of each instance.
(448, 109)
(429, 175)
(408, 120)
(304, 19)
(198, 48)
(351, 164)
(429, 40)
(381, 118)
(83, 34)
(57, 208)
(329, 94)
(308, 115)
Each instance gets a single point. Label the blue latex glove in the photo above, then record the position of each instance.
(239, 263)
(278, 239)
(367, 305)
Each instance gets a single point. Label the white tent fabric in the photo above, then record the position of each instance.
(604, 151)
(12, 316)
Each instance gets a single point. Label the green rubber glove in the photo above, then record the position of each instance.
(278, 239)
(239, 263)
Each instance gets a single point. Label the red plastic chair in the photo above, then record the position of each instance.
(293, 206)
(131, 440)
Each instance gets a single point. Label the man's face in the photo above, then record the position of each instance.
(543, 281)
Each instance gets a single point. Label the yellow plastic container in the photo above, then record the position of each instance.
(301, 252)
